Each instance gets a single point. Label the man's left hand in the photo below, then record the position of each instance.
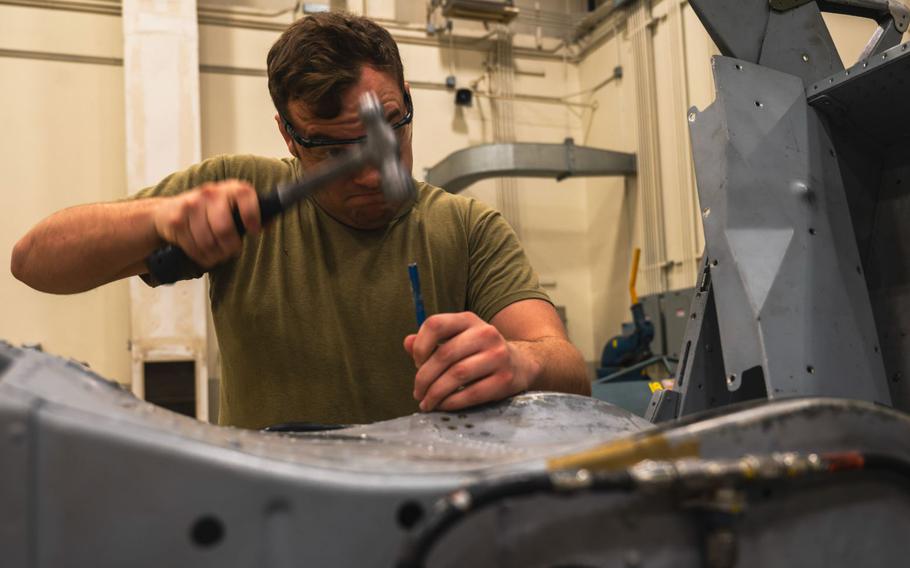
(463, 361)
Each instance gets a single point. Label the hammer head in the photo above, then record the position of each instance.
(381, 151)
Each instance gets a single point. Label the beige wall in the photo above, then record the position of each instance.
(62, 145)
(63, 138)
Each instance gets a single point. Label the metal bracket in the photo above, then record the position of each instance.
(570, 160)
(900, 11)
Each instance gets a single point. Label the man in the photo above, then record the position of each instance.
(310, 311)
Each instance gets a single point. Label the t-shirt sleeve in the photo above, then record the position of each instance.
(499, 272)
(212, 169)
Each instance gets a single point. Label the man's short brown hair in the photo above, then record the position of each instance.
(320, 56)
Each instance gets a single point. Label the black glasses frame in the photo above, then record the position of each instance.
(317, 142)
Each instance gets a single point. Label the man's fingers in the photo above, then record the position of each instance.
(488, 389)
(438, 328)
(409, 343)
(201, 221)
(463, 345)
(459, 375)
(247, 202)
(198, 239)
(221, 220)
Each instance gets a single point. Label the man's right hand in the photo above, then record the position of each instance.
(201, 222)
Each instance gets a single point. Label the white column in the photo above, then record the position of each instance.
(161, 74)
(687, 198)
(650, 208)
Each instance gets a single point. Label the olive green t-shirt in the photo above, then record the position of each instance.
(311, 316)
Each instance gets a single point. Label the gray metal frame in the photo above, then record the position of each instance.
(796, 241)
(91, 476)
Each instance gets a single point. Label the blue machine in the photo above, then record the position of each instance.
(633, 346)
(621, 378)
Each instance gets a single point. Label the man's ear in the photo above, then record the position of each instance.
(287, 137)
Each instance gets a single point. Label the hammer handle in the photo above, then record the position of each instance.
(170, 264)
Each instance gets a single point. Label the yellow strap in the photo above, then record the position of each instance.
(633, 295)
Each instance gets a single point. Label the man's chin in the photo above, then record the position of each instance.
(372, 217)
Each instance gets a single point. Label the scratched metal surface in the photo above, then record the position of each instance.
(514, 435)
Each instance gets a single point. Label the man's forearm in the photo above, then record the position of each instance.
(552, 364)
(83, 247)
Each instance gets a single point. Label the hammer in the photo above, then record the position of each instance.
(380, 150)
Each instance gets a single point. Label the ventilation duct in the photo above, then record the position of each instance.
(485, 10)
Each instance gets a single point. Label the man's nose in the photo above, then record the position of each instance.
(368, 177)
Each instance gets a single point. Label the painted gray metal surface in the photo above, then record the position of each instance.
(465, 167)
(797, 42)
(870, 97)
(738, 32)
(792, 38)
(843, 525)
(866, 112)
(798, 187)
(89, 476)
(780, 247)
(847, 523)
(92, 476)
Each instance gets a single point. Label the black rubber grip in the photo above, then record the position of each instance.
(170, 264)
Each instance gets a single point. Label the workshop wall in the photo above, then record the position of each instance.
(616, 217)
(62, 115)
(62, 145)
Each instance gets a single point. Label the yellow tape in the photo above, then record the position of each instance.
(655, 386)
(624, 453)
